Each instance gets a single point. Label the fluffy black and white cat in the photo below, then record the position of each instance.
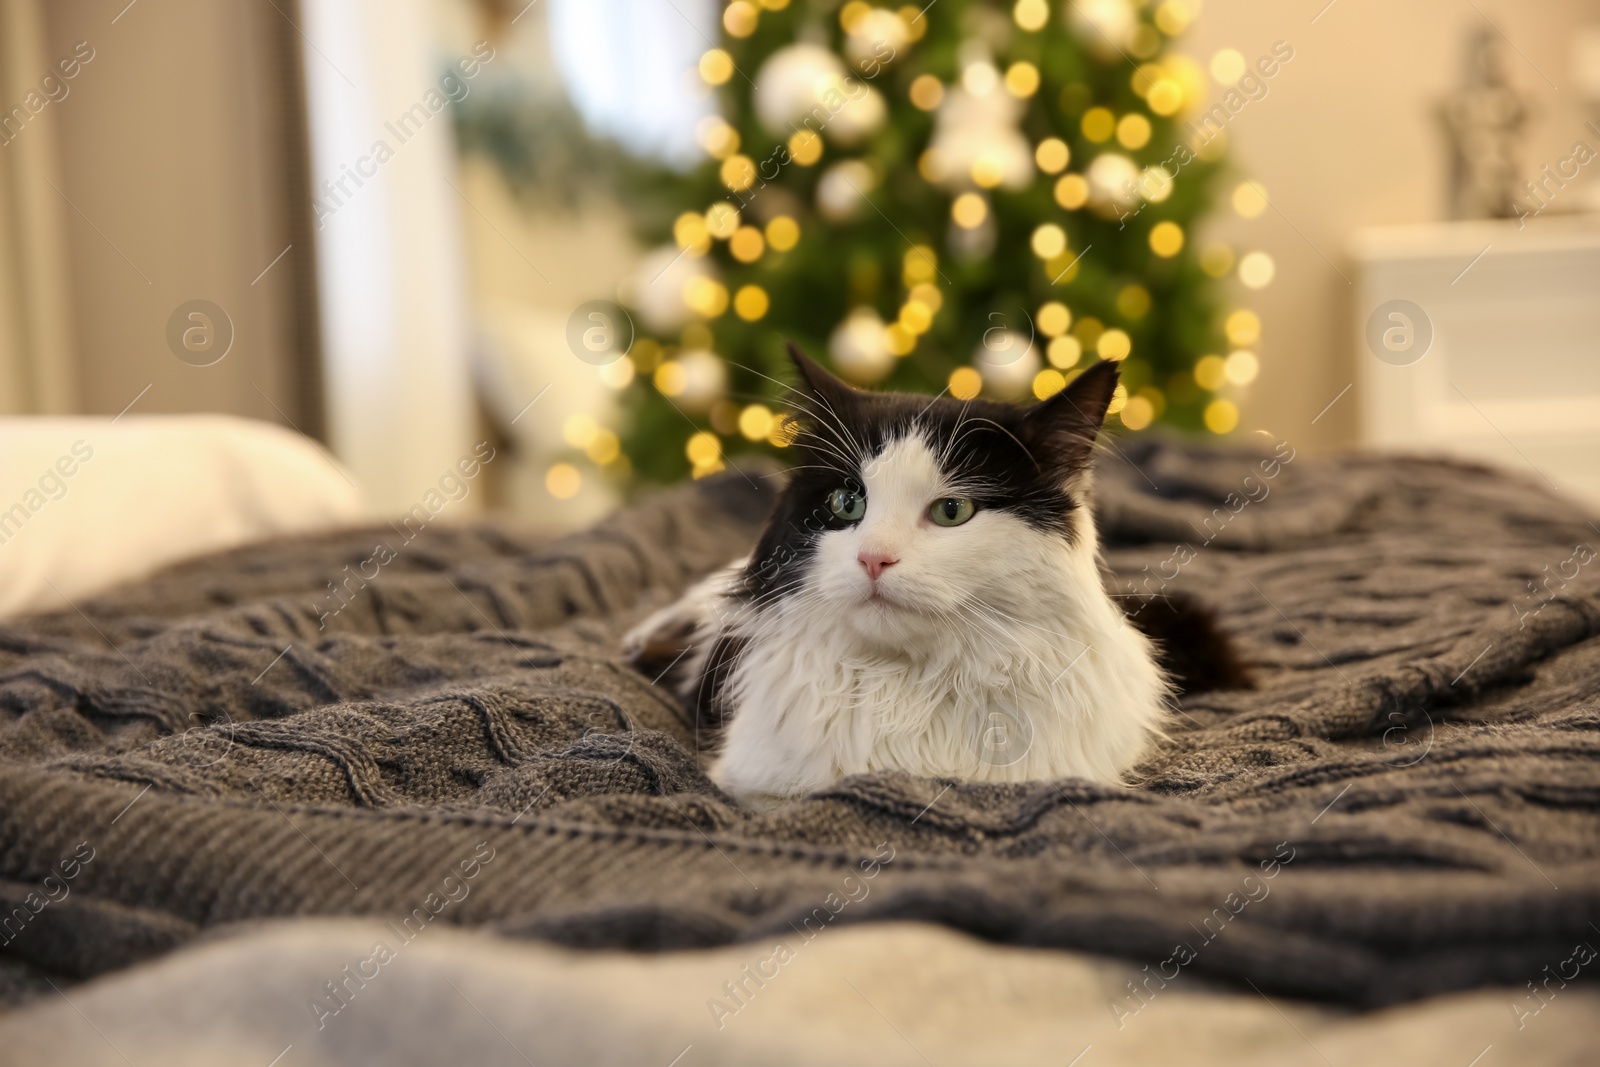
(926, 598)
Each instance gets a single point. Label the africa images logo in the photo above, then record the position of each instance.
(1399, 332)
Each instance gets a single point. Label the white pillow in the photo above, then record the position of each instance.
(86, 504)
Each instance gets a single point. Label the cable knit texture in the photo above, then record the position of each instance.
(1416, 769)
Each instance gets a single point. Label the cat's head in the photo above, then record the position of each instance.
(908, 507)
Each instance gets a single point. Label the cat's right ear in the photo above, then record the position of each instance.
(818, 390)
(1060, 431)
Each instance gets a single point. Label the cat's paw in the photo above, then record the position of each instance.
(665, 636)
(662, 639)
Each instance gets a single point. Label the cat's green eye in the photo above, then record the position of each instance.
(847, 505)
(951, 511)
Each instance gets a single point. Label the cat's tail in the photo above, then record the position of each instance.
(1196, 653)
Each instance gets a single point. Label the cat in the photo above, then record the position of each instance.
(926, 598)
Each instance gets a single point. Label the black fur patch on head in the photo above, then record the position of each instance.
(1005, 456)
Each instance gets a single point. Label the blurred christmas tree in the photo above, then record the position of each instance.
(976, 196)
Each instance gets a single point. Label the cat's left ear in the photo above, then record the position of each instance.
(1060, 431)
(823, 394)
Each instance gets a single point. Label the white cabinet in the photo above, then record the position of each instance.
(1512, 373)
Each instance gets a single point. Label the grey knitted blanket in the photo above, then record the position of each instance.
(439, 730)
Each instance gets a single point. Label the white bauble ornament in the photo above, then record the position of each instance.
(1104, 26)
(705, 380)
(971, 127)
(791, 83)
(860, 352)
(655, 288)
(807, 85)
(1007, 360)
(1155, 184)
(877, 39)
(843, 189)
(860, 116)
(1113, 183)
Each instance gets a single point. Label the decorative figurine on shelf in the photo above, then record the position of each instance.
(1484, 122)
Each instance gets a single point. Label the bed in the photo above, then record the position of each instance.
(420, 758)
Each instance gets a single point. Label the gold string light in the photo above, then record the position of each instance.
(965, 383)
(740, 18)
(1047, 383)
(783, 233)
(563, 481)
(716, 67)
(751, 302)
(926, 92)
(1166, 239)
(1031, 15)
(969, 210)
(1221, 416)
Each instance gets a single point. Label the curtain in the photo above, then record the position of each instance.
(37, 369)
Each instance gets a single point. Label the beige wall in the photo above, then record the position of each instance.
(1347, 138)
(174, 146)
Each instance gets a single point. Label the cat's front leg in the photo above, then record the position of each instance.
(673, 636)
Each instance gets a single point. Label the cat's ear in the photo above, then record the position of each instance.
(818, 391)
(1060, 431)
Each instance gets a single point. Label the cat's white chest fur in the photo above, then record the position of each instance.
(1057, 684)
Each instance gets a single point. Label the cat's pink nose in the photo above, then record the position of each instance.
(875, 562)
